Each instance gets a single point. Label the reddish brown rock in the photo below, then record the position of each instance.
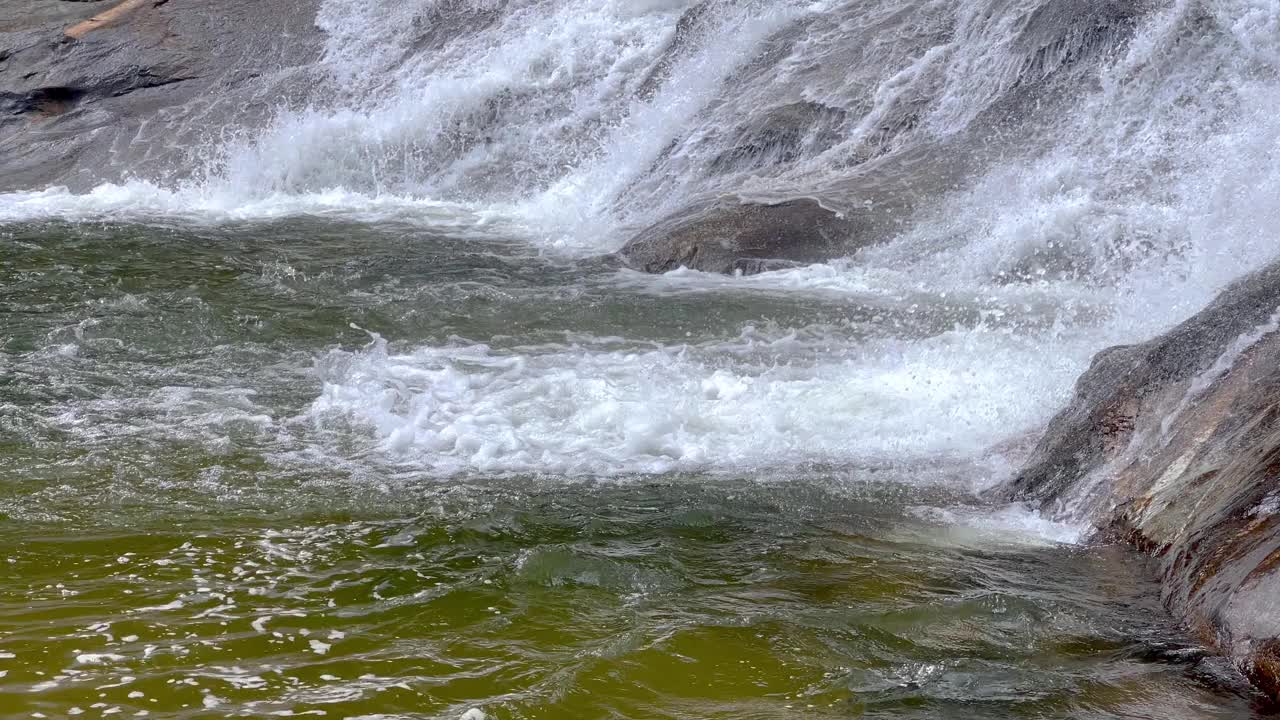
(1174, 445)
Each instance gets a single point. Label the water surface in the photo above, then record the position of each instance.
(317, 466)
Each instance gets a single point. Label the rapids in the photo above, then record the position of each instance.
(356, 363)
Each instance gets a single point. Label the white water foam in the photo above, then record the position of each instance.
(751, 404)
(139, 201)
(534, 107)
(1014, 524)
(1158, 189)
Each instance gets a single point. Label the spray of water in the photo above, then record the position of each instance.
(1105, 165)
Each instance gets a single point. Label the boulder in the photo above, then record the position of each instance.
(729, 237)
(1174, 446)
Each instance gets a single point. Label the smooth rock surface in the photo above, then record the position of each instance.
(103, 91)
(1174, 445)
(728, 237)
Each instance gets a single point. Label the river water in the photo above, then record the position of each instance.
(356, 414)
(385, 470)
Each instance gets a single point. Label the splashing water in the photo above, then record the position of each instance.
(1132, 177)
(397, 300)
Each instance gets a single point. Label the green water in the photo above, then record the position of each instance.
(184, 534)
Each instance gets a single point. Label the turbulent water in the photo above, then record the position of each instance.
(354, 413)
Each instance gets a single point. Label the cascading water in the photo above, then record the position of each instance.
(397, 293)
(1043, 170)
(1122, 144)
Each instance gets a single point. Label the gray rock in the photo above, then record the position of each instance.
(141, 84)
(728, 237)
(780, 135)
(20, 15)
(689, 28)
(1174, 445)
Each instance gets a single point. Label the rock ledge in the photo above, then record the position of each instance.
(1174, 446)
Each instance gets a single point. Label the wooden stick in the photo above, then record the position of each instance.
(79, 30)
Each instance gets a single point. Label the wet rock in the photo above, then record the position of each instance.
(728, 237)
(781, 135)
(1059, 35)
(440, 23)
(1174, 446)
(95, 94)
(691, 26)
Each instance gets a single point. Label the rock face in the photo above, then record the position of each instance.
(1174, 445)
(726, 237)
(93, 91)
